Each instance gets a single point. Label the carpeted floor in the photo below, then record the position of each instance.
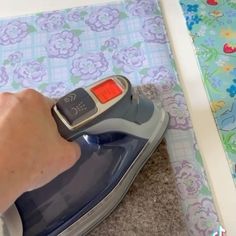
(151, 207)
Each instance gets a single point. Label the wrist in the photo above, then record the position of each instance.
(11, 186)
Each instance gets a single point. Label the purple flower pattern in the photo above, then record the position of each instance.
(161, 77)
(51, 21)
(128, 59)
(111, 44)
(152, 30)
(63, 45)
(149, 90)
(3, 76)
(13, 32)
(90, 66)
(189, 180)
(55, 90)
(201, 218)
(74, 15)
(176, 107)
(15, 58)
(103, 19)
(141, 7)
(30, 74)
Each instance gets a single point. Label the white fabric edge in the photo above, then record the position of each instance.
(25, 7)
(211, 149)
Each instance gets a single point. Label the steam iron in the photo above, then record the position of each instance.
(117, 132)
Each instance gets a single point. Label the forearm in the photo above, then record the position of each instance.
(13, 176)
(10, 186)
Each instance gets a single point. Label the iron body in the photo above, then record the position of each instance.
(115, 144)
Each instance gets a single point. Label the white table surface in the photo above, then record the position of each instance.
(211, 148)
(23, 7)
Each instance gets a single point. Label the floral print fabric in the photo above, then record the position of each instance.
(55, 52)
(211, 24)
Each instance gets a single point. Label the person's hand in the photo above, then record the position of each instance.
(32, 152)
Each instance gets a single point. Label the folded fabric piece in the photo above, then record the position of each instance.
(54, 52)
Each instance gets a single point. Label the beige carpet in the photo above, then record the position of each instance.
(151, 207)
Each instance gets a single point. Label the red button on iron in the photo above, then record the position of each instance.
(107, 90)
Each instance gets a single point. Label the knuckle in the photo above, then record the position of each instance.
(31, 95)
(5, 95)
(8, 98)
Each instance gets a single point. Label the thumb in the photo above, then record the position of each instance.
(77, 150)
(71, 154)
